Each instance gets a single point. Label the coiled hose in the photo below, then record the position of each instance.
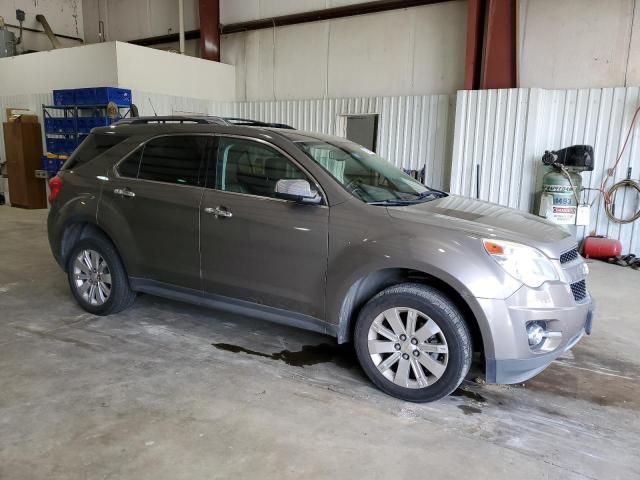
(609, 201)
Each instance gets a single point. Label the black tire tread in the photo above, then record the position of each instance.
(441, 302)
(122, 297)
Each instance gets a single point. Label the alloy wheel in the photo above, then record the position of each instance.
(408, 347)
(92, 277)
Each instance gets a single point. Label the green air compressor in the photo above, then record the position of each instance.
(562, 184)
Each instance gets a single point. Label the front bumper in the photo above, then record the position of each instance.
(513, 361)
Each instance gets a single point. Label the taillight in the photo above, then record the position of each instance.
(55, 184)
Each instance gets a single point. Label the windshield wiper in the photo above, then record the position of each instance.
(423, 197)
(392, 201)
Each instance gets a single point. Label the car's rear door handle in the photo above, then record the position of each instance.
(218, 212)
(124, 192)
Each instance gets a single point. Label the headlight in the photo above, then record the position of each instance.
(530, 266)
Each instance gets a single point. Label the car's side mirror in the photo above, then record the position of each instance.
(297, 190)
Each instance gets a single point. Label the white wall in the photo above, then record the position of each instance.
(400, 52)
(86, 66)
(64, 16)
(117, 64)
(579, 43)
(126, 20)
(152, 70)
(233, 11)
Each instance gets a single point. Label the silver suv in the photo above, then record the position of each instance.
(320, 233)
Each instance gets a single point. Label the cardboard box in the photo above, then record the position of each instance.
(22, 115)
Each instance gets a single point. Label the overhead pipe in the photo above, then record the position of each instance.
(325, 14)
(47, 30)
(210, 17)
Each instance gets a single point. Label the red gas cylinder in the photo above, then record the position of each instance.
(599, 247)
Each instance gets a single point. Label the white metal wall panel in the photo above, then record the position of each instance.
(504, 134)
(413, 131)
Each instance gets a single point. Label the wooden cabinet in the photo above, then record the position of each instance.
(23, 152)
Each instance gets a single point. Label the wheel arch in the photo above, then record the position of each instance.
(370, 284)
(76, 230)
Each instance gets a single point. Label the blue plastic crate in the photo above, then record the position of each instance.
(59, 125)
(52, 165)
(85, 124)
(102, 96)
(61, 145)
(119, 96)
(86, 96)
(64, 97)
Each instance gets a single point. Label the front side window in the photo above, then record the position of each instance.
(246, 166)
(176, 159)
(366, 175)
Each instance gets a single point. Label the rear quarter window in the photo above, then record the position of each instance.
(93, 146)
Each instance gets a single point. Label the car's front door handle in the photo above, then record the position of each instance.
(218, 212)
(124, 192)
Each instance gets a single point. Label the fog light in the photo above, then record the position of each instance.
(536, 334)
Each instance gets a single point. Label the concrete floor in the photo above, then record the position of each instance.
(167, 390)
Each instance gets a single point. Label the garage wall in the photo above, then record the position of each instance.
(64, 16)
(579, 43)
(504, 133)
(413, 51)
(126, 20)
(413, 131)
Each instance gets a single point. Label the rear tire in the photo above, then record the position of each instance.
(97, 277)
(413, 343)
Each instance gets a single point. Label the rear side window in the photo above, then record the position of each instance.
(174, 159)
(91, 147)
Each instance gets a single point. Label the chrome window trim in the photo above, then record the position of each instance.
(304, 170)
(324, 204)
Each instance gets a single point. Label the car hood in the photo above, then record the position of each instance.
(488, 220)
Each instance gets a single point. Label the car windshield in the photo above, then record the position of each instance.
(366, 175)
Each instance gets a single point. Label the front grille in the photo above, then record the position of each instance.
(579, 290)
(569, 256)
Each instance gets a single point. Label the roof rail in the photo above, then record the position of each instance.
(246, 122)
(204, 120)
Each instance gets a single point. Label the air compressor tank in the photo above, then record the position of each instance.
(560, 194)
(562, 183)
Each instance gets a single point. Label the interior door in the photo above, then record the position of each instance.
(256, 247)
(153, 204)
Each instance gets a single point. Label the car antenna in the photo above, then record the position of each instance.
(154, 110)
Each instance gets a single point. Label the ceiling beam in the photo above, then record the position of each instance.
(325, 14)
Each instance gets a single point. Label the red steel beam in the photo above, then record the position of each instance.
(209, 11)
(499, 67)
(475, 37)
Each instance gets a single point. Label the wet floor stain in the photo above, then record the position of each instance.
(469, 410)
(341, 355)
(59, 338)
(593, 387)
(592, 377)
(463, 392)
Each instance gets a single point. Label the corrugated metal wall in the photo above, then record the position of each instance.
(413, 131)
(501, 135)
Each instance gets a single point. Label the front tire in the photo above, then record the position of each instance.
(97, 277)
(413, 343)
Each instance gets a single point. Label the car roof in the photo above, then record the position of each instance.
(146, 126)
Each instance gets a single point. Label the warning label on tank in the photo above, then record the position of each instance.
(563, 215)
